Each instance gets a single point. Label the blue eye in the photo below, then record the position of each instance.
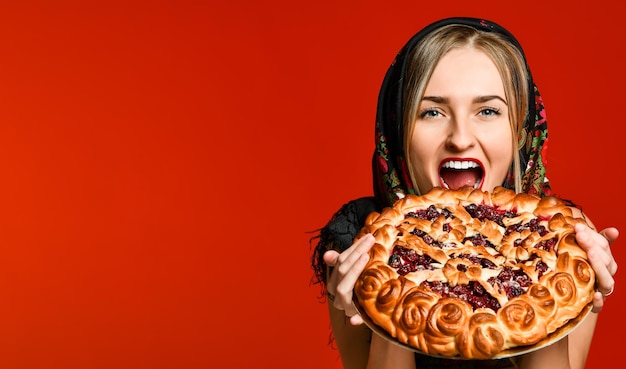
(429, 113)
(489, 112)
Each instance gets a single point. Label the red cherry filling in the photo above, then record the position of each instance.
(484, 263)
(533, 225)
(408, 260)
(472, 292)
(479, 240)
(482, 212)
(513, 282)
(431, 213)
(541, 267)
(431, 241)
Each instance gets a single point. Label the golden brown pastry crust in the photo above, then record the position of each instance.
(556, 283)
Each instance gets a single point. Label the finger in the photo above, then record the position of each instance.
(345, 266)
(356, 319)
(347, 261)
(598, 302)
(362, 245)
(331, 257)
(589, 236)
(610, 234)
(604, 278)
(353, 315)
(349, 271)
(343, 274)
(346, 284)
(598, 244)
(331, 286)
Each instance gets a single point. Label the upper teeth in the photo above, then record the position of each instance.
(457, 164)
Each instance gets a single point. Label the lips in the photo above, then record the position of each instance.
(455, 173)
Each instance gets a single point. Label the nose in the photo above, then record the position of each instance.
(460, 135)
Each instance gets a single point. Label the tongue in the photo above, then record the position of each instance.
(456, 179)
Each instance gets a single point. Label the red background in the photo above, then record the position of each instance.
(161, 165)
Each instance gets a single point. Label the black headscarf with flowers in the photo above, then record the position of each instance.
(390, 173)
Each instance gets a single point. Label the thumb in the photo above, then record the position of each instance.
(331, 257)
(610, 234)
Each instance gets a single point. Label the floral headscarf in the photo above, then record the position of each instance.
(390, 173)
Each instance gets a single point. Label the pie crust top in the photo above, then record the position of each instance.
(470, 274)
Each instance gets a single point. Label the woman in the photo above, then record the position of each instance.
(458, 106)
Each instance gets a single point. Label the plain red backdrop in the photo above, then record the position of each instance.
(162, 164)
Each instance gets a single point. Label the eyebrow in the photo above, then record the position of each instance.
(479, 99)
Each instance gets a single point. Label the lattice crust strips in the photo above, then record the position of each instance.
(467, 273)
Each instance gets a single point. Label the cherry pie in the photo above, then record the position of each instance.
(471, 274)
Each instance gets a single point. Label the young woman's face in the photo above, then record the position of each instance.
(462, 134)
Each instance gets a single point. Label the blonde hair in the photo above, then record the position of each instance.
(508, 60)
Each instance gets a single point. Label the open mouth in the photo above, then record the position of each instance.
(454, 174)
